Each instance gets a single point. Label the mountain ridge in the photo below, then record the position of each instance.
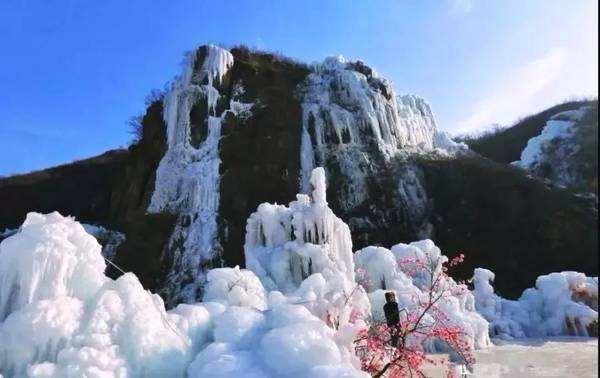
(385, 199)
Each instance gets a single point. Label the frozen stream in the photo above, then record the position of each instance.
(549, 357)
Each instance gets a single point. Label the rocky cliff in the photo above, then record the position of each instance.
(240, 127)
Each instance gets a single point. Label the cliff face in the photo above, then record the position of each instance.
(239, 128)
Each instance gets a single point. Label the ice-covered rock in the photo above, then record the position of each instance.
(352, 116)
(563, 303)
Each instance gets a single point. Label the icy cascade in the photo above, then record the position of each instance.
(551, 153)
(353, 124)
(402, 270)
(416, 117)
(346, 109)
(187, 179)
(563, 303)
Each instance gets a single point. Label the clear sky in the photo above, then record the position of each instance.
(73, 72)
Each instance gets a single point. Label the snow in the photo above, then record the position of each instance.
(562, 303)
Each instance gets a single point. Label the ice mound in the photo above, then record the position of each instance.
(51, 256)
(406, 270)
(563, 303)
(63, 317)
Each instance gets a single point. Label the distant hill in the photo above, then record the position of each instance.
(563, 145)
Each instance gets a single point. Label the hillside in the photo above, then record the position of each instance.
(567, 158)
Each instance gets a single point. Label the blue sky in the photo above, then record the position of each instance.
(73, 72)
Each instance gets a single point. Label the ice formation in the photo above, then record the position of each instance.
(563, 303)
(401, 270)
(305, 251)
(187, 179)
(63, 318)
(351, 119)
(257, 333)
(416, 117)
(550, 153)
(354, 124)
(294, 312)
(36, 264)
